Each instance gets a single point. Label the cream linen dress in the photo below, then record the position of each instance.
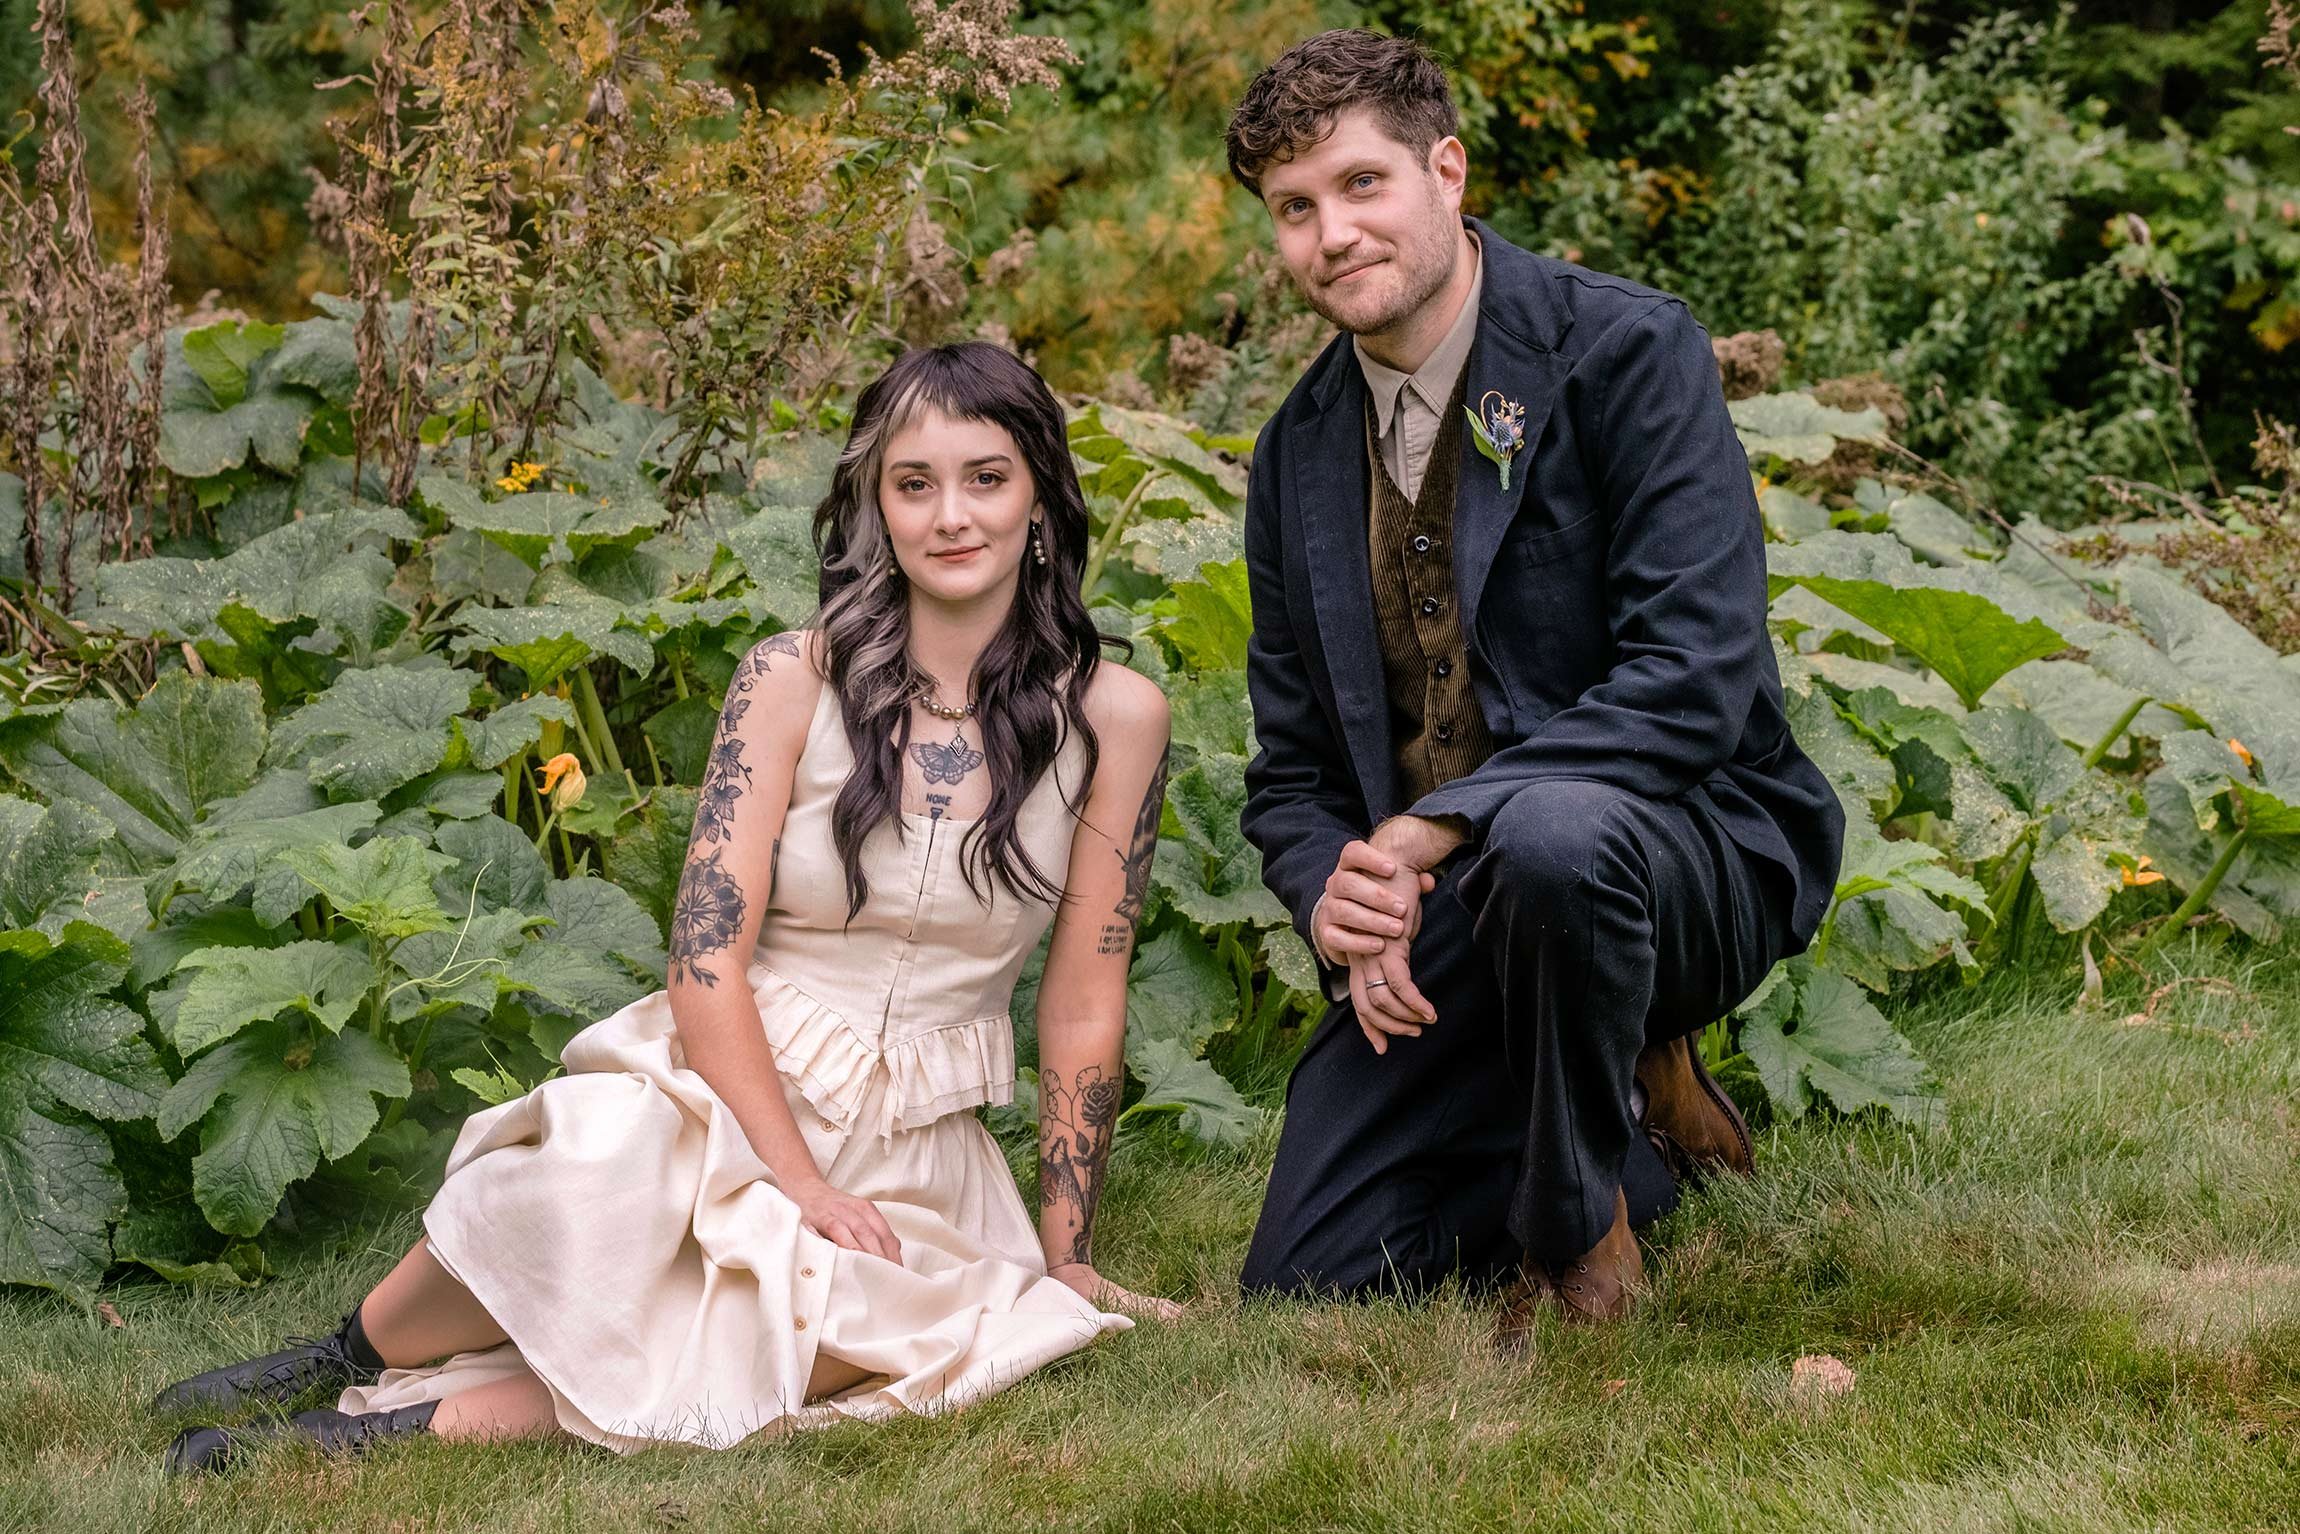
(618, 1226)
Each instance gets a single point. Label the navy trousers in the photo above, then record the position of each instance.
(1587, 923)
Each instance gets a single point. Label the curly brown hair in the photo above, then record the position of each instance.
(1292, 105)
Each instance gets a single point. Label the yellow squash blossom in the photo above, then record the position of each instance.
(563, 780)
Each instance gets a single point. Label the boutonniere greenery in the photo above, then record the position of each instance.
(1498, 425)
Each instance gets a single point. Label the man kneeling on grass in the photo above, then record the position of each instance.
(1525, 780)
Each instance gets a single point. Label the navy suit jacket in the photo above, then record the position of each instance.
(1612, 599)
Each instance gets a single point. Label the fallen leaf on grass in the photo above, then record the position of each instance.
(1614, 1388)
(1818, 1376)
(111, 1316)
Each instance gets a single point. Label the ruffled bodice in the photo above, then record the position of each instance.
(919, 983)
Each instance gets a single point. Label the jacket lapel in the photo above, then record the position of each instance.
(1504, 364)
(1329, 446)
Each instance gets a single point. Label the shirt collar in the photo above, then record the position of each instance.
(1435, 378)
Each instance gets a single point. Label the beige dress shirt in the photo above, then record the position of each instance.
(1406, 405)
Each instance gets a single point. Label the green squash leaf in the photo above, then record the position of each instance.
(1211, 715)
(585, 960)
(549, 641)
(646, 860)
(512, 729)
(1211, 618)
(330, 567)
(204, 433)
(374, 730)
(682, 733)
(776, 548)
(150, 771)
(270, 1103)
(1211, 873)
(322, 355)
(233, 987)
(1178, 991)
(1797, 428)
(66, 1049)
(1174, 1081)
(1178, 548)
(493, 857)
(1291, 961)
(222, 353)
(233, 854)
(1820, 1037)
(382, 886)
(48, 856)
(545, 526)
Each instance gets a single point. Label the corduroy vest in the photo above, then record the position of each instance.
(1435, 725)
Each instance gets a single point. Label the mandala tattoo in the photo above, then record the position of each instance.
(1138, 855)
(1074, 1123)
(946, 763)
(705, 917)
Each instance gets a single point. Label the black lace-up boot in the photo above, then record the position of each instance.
(214, 1449)
(341, 1358)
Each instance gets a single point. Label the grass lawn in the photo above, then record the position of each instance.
(2077, 1307)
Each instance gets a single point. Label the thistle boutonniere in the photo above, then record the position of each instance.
(1498, 424)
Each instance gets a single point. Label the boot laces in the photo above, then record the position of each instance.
(299, 1368)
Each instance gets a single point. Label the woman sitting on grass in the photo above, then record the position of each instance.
(759, 1196)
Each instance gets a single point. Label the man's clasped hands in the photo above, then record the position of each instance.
(1368, 917)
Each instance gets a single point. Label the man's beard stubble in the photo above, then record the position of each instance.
(1424, 267)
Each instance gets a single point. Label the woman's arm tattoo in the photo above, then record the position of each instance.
(1074, 1124)
(1144, 848)
(728, 775)
(707, 913)
(705, 917)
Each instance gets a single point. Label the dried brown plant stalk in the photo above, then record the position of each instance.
(73, 320)
(151, 316)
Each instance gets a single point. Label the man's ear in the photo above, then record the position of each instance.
(1449, 163)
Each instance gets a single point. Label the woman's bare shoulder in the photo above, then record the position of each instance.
(1127, 710)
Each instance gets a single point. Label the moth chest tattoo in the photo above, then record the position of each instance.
(946, 762)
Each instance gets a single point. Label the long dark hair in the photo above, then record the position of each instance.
(1040, 662)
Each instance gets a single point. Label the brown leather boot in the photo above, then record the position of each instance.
(1599, 1285)
(1691, 1122)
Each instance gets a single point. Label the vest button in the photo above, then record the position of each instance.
(1443, 668)
(1421, 543)
(1429, 606)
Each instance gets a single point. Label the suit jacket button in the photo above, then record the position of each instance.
(1445, 732)
(1421, 543)
(1429, 606)
(1443, 668)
